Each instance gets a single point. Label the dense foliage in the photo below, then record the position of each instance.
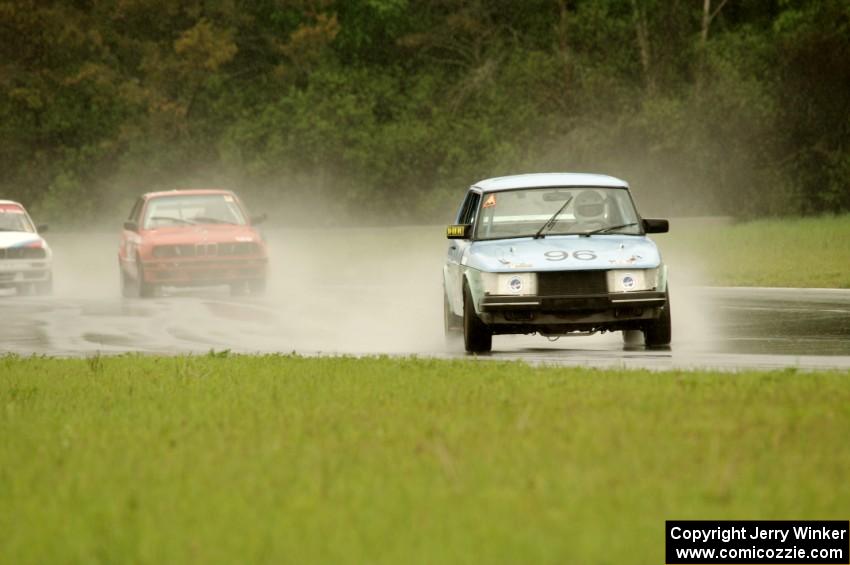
(388, 108)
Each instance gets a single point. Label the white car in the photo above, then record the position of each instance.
(25, 258)
(553, 254)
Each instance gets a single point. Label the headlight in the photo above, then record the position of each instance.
(516, 284)
(629, 280)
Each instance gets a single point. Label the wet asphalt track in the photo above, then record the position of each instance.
(378, 291)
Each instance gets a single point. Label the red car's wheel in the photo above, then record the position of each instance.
(128, 287)
(257, 287)
(145, 289)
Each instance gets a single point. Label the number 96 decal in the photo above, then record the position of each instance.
(583, 255)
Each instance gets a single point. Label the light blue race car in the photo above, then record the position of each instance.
(553, 254)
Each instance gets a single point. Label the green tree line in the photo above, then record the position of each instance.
(392, 107)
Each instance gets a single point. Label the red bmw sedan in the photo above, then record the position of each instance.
(188, 238)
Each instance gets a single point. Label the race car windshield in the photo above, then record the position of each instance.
(583, 210)
(194, 209)
(13, 218)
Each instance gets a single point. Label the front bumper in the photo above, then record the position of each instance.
(586, 302)
(201, 272)
(14, 272)
(609, 311)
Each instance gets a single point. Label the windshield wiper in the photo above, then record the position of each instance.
(179, 220)
(209, 220)
(551, 221)
(609, 228)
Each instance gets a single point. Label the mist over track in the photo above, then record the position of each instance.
(378, 291)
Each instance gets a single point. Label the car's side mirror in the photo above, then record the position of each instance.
(259, 219)
(131, 226)
(42, 228)
(458, 231)
(656, 226)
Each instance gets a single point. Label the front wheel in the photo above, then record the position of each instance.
(659, 332)
(128, 287)
(257, 287)
(477, 337)
(45, 287)
(25, 289)
(146, 289)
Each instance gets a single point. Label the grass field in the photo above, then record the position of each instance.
(224, 459)
(793, 252)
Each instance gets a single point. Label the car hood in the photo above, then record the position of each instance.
(200, 234)
(558, 253)
(17, 238)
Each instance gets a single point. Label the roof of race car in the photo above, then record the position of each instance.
(540, 180)
(176, 192)
(7, 202)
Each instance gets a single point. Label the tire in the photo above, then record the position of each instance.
(44, 288)
(26, 289)
(239, 288)
(477, 337)
(257, 287)
(128, 289)
(146, 290)
(659, 332)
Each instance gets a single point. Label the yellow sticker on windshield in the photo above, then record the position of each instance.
(490, 202)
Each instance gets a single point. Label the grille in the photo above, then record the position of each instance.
(174, 251)
(206, 249)
(571, 283)
(23, 253)
(237, 248)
